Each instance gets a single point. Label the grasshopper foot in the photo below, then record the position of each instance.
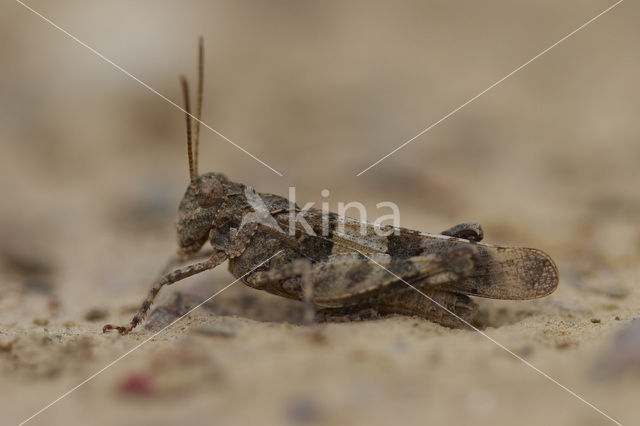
(121, 329)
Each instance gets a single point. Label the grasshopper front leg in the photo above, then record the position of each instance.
(168, 279)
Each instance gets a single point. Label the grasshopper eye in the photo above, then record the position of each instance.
(209, 191)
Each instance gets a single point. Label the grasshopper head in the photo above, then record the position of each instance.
(198, 210)
(206, 193)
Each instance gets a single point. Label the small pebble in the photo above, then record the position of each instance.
(526, 351)
(25, 258)
(318, 337)
(41, 321)
(177, 306)
(96, 314)
(161, 317)
(53, 303)
(38, 284)
(303, 411)
(610, 307)
(595, 320)
(138, 383)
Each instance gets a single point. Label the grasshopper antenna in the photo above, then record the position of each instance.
(187, 105)
(196, 138)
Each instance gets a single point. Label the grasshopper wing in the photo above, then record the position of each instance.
(350, 278)
(515, 273)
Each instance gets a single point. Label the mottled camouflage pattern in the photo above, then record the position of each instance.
(351, 271)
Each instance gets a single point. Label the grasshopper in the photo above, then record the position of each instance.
(341, 268)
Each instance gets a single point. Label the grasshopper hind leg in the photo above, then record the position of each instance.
(431, 305)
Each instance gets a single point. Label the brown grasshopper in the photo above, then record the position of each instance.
(340, 266)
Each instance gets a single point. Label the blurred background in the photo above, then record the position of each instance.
(93, 165)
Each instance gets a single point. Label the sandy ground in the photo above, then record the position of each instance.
(92, 168)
